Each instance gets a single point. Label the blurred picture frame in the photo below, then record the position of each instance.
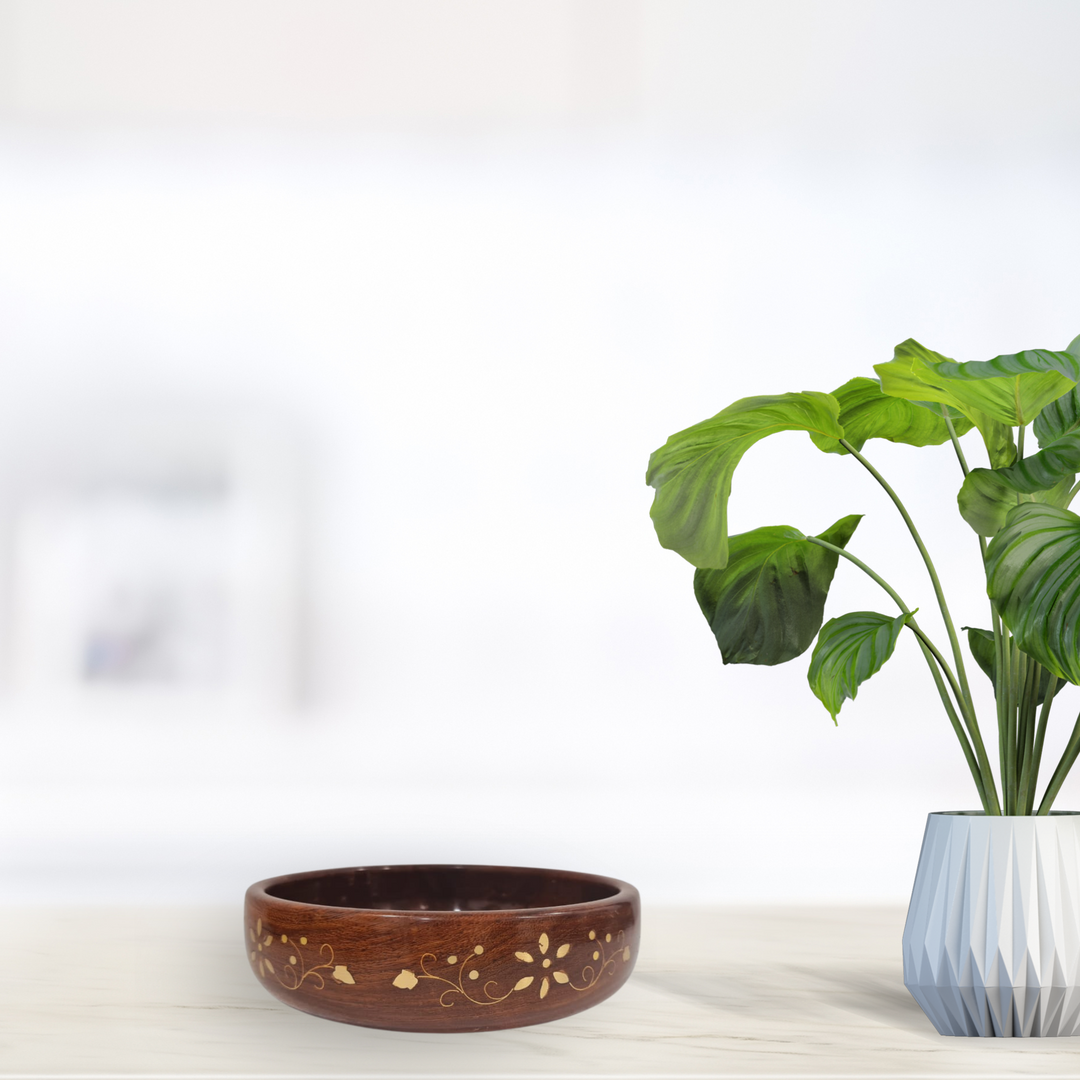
(153, 564)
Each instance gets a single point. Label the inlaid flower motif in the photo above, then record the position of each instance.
(293, 967)
(544, 943)
(259, 943)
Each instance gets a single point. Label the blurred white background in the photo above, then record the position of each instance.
(334, 340)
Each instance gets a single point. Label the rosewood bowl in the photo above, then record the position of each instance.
(442, 948)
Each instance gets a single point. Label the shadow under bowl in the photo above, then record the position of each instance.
(442, 948)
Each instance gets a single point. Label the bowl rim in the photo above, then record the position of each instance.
(624, 892)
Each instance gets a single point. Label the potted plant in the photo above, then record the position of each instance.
(992, 939)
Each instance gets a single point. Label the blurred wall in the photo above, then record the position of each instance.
(852, 71)
(469, 264)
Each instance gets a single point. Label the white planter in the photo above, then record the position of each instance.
(992, 939)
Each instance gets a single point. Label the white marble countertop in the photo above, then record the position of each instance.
(773, 992)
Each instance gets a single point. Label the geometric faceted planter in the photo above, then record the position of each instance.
(992, 938)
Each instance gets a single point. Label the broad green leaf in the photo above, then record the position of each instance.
(1058, 419)
(767, 604)
(692, 471)
(867, 413)
(997, 438)
(900, 378)
(910, 375)
(981, 644)
(849, 650)
(1048, 467)
(1033, 576)
(1010, 365)
(1010, 389)
(986, 497)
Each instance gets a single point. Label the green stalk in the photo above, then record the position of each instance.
(1040, 734)
(1001, 691)
(988, 797)
(1001, 680)
(958, 656)
(1009, 780)
(956, 444)
(1032, 678)
(964, 700)
(1072, 748)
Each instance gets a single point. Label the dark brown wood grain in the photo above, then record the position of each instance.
(442, 948)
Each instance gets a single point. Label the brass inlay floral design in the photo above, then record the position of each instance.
(293, 967)
(460, 979)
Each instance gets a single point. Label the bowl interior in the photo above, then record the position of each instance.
(442, 888)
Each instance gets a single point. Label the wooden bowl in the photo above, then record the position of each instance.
(442, 948)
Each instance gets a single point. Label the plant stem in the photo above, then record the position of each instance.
(1001, 681)
(1001, 688)
(987, 795)
(1044, 716)
(1008, 782)
(964, 700)
(1032, 678)
(956, 443)
(932, 570)
(1072, 748)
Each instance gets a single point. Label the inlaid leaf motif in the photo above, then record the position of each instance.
(524, 957)
(524, 983)
(563, 950)
(692, 471)
(849, 650)
(342, 974)
(406, 980)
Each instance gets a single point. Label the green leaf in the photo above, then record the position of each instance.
(692, 471)
(911, 375)
(1010, 365)
(867, 413)
(986, 498)
(767, 604)
(981, 644)
(849, 650)
(997, 438)
(1048, 467)
(1060, 417)
(1033, 576)
(1011, 389)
